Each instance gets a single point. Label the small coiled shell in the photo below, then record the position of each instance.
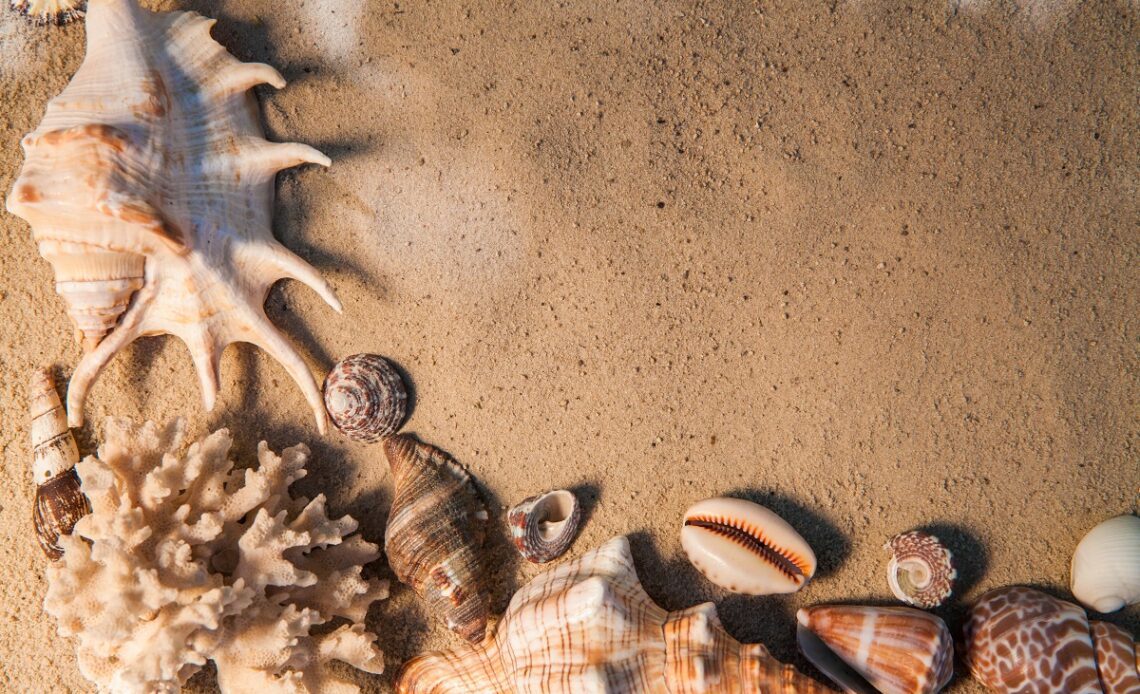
(59, 501)
(50, 11)
(365, 397)
(1106, 565)
(544, 525)
(921, 571)
(746, 547)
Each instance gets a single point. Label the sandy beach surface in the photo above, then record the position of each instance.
(872, 264)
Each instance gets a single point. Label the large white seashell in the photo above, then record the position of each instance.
(149, 188)
(1106, 565)
(745, 547)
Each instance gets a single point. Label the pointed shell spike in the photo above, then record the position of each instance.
(59, 502)
(1106, 565)
(435, 533)
(365, 397)
(746, 547)
(921, 570)
(544, 525)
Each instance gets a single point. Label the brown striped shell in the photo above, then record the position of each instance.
(435, 532)
(544, 525)
(59, 502)
(50, 11)
(921, 570)
(746, 547)
(365, 397)
(897, 650)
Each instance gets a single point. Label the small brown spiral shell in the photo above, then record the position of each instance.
(365, 397)
(59, 501)
(544, 525)
(921, 571)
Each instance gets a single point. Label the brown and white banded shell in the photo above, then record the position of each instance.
(897, 650)
(588, 626)
(1019, 640)
(50, 11)
(149, 189)
(921, 570)
(59, 501)
(435, 531)
(746, 547)
(544, 525)
(365, 397)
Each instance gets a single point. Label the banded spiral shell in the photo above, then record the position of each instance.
(544, 525)
(149, 189)
(365, 397)
(589, 626)
(746, 547)
(1106, 565)
(921, 570)
(897, 650)
(59, 502)
(50, 11)
(435, 531)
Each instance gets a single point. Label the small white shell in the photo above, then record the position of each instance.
(921, 571)
(544, 525)
(1106, 565)
(745, 547)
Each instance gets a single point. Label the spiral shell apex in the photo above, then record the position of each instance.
(544, 525)
(59, 502)
(50, 11)
(365, 397)
(921, 571)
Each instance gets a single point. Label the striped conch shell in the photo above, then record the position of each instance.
(746, 547)
(49, 11)
(921, 570)
(149, 188)
(589, 626)
(1019, 640)
(896, 650)
(59, 502)
(435, 530)
(544, 525)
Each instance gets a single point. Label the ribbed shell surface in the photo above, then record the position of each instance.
(59, 502)
(435, 533)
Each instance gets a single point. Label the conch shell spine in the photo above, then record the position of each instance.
(59, 503)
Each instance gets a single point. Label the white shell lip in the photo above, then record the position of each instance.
(1106, 565)
(745, 547)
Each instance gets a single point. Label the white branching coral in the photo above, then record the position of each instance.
(185, 559)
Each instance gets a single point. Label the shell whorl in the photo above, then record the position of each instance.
(544, 525)
(921, 570)
(365, 397)
(59, 502)
(50, 11)
(435, 531)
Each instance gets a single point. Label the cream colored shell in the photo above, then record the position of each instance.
(1106, 565)
(149, 188)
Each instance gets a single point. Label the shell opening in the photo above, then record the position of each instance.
(752, 541)
(555, 509)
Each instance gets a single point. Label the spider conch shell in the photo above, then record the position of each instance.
(149, 188)
(589, 626)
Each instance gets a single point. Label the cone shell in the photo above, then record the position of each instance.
(50, 11)
(544, 525)
(589, 626)
(365, 397)
(435, 532)
(59, 502)
(149, 189)
(921, 570)
(899, 650)
(746, 547)
(1106, 565)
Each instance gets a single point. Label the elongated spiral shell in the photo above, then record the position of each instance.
(921, 570)
(50, 11)
(435, 532)
(544, 525)
(149, 189)
(59, 501)
(365, 397)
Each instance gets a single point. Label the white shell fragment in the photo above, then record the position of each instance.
(50, 11)
(1106, 565)
(746, 547)
(921, 570)
(543, 526)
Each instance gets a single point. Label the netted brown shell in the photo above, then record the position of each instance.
(365, 397)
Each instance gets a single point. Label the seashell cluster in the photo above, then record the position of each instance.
(896, 650)
(543, 526)
(1020, 640)
(1106, 565)
(921, 570)
(185, 559)
(149, 189)
(589, 626)
(59, 502)
(50, 11)
(365, 397)
(746, 547)
(436, 528)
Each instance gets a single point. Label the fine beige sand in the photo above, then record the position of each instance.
(872, 264)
